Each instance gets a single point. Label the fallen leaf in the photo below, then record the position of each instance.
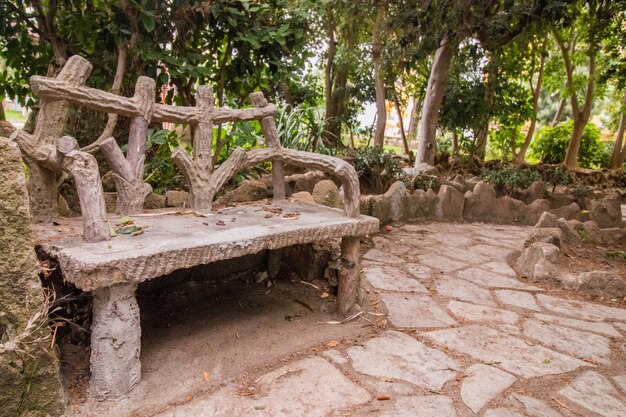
(324, 295)
(386, 379)
(206, 376)
(127, 230)
(292, 215)
(268, 215)
(126, 221)
(332, 344)
(220, 223)
(189, 398)
(384, 397)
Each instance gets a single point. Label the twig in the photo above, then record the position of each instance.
(310, 285)
(346, 320)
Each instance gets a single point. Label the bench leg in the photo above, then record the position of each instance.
(115, 342)
(349, 278)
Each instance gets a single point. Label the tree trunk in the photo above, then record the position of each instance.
(328, 81)
(432, 103)
(571, 156)
(536, 91)
(559, 112)
(2, 115)
(415, 118)
(379, 83)
(405, 143)
(619, 151)
(490, 75)
(455, 142)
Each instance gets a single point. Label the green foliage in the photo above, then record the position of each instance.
(556, 176)
(161, 173)
(616, 254)
(377, 170)
(502, 140)
(301, 126)
(508, 180)
(551, 143)
(425, 182)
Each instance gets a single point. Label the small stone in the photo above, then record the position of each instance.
(175, 198)
(602, 284)
(483, 383)
(539, 261)
(517, 299)
(303, 197)
(581, 344)
(570, 235)
(547, 219)
(450, 204)
(416, 311)
(552, 235)
(535, 407)
(607, 212)
(493, 280)
(392, 279)
(399, 356)
(464, 290)
(473, 312)
(595, 393)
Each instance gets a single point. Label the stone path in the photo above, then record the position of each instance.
(464, 337)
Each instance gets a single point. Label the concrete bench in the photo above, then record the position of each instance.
(111, 268)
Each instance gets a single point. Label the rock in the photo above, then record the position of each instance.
(574, 342)
(547, 219)
(393, 279)
(536, 191)
(560, 199)
(249, 190)
(473, 312)
(110, 202)
(460, 179)
(569, 233)
(441, 263)
(63, 207)
(535, 407)
(539, 261)
(483, 383)
(396, 195)
(6, 128)
(518, 299)
(175, 198)
(569, 212)
(492, 280)
(376, 255)
(511, 353)
(303, 197)
(411, 406)
(326, 193)
(534, 211)
(591, 232)
(421, 205)
(30, 384)
(399, 356)
(303, 182)
(456, 185)
(311, 387)
(607, 212)
(581, 310)
(376, 206)
(450, 204)
(427, 169)
(502, 412)
(108, 183)
(416, 311)
(480, 203)
(508, 210)
(154, 201)
(552, 235)
(602, 284)
(602, 328)
(464, 291)
(595, 393)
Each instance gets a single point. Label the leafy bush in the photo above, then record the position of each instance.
(551, 144)
(556, 176)
(424, 182)
(500, 140)
(161, 173)
(508, 180)
(378, 170)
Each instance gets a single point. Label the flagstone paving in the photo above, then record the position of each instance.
(463, 337)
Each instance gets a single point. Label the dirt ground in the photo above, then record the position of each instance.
(196, 336)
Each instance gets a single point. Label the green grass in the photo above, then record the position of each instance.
(14, 116)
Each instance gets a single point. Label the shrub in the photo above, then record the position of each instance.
(161, 172)
(378, 170)
(556, 176)
(424, 182)
(551, 144)
(508, 180)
